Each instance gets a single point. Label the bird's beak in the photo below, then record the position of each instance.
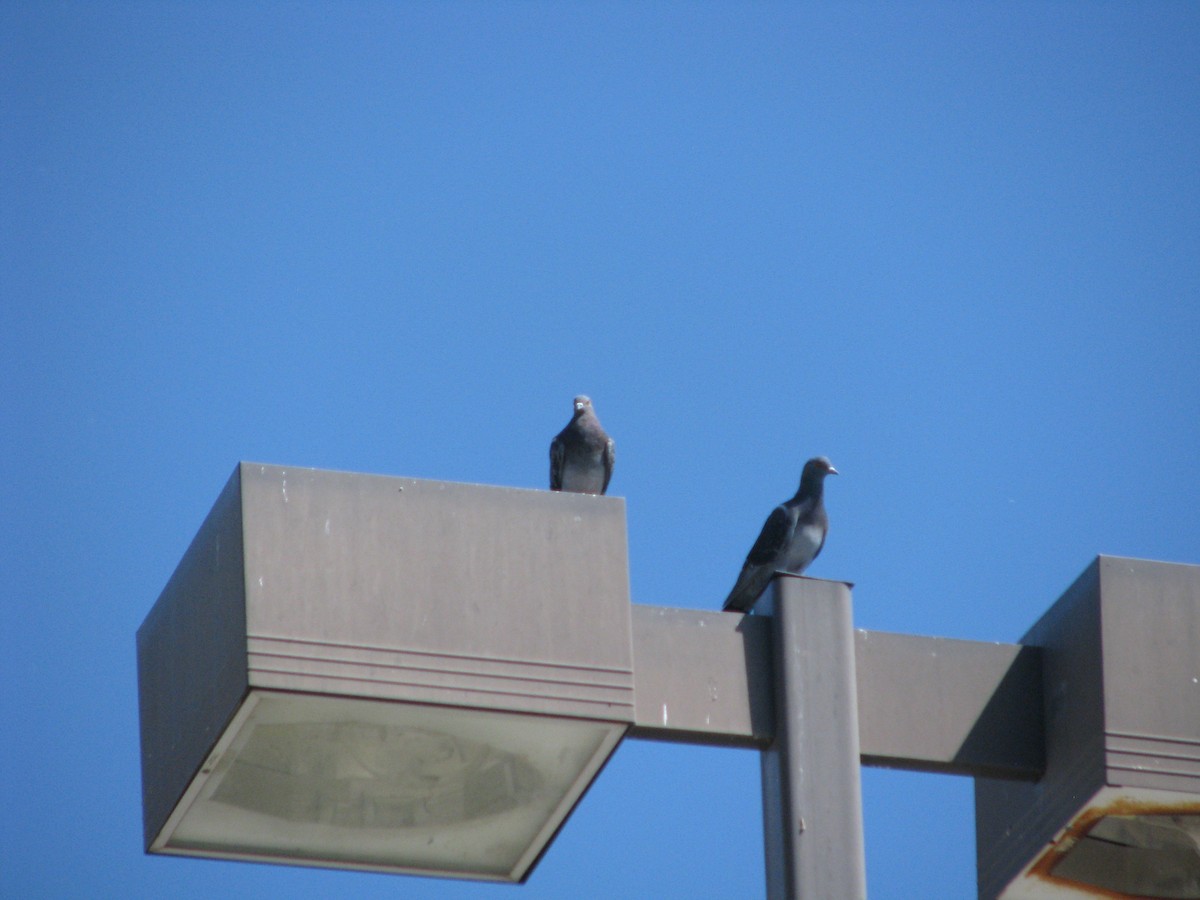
(833, 471)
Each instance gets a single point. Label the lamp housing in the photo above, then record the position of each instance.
(1117, 812)
(392, 674)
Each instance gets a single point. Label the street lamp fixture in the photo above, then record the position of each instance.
(1117, 811)
(342, 673)
(363, 672)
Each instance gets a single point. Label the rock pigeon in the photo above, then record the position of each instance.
(791, 538)
(582, 455)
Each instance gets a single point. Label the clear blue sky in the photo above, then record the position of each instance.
(955, 247)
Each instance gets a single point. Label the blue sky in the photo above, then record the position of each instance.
(951, 246)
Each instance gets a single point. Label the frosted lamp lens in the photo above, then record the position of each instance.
(1149, 856)
(367, 784)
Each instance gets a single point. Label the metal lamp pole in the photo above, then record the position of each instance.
(812, 794)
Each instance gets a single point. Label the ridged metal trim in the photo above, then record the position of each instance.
(269, 640)
(399, 673)
(1164, 761)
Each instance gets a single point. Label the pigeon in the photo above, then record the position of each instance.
(582, 455)
(791, 538)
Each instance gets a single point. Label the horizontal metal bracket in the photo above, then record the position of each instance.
(924, 703)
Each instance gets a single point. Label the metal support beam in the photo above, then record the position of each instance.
(949, 706)
(926, 704)
(812, 795)
(702, 677)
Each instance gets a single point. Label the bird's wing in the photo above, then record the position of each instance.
(774, 535)
(751, 582)
(558, 450)
(759, 567)
(610, 459)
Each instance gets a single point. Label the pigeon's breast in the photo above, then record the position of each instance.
(583, 473)
(802, 548)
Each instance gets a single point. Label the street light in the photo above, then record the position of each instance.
(1118, 808)
(414, 676)
(383, 673)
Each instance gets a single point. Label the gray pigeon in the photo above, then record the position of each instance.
(582, 455)
(791, 538)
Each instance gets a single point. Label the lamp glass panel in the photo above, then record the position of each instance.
(1151, 856)
(369, 784)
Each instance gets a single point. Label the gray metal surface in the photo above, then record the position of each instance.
(812, 799)
(1014, 821)
(702, 677)
(437, 592)
(929, 704)
(386, 588)
(1150, 625)
(1120, 662)
(192, 660)
(949, 706)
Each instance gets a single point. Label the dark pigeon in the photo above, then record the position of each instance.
(582, 455)
(791, 538)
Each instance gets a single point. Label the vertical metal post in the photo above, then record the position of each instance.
(812, 793)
